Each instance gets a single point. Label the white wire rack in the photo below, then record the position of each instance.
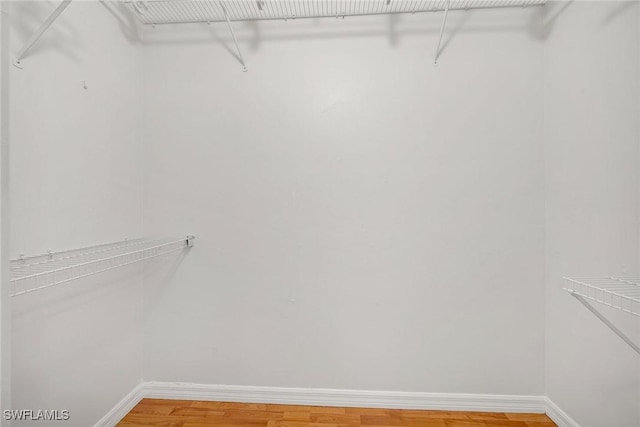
(620, 293)
(192, 11)
(29, 274)
(155, 12)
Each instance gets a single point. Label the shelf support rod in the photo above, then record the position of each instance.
(43, 28)
(444, 22)
(606, 321)
(235, 40)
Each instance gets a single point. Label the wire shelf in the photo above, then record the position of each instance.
(620, 293)
(29, 274)
(193, 11)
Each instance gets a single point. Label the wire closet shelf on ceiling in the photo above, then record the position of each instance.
(154, 12)
(29, 274)
(191, 11)
(619, 293)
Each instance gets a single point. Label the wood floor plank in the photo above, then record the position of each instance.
(186, 413)
(298, 424)
(235, 406)
(370, 411)
(486, 416)
(153, 420)
(226, 422)
(341, 420)
(193, 411)
(304, 408)
(209, 423)
(150, 409)
(505, 423)
(297, 416)
(244, 414)
(528, 417)
(484, 423)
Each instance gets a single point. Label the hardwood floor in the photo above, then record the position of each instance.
(185, 413)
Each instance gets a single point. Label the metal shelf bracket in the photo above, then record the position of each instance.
(444, 22)
(43, 28)
(606, 321)
(235, 40)
(618, 293)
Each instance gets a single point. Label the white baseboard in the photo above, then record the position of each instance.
(561, 418)
(349, 398)
(334, 397)
(123, 407)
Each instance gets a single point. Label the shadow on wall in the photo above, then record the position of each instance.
(623, 7)
(59, 299)
(63, 35)
(125, 19)
(158, 273)
(552, 11)
(394, 28)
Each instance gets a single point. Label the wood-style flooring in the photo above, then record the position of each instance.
(186, 413)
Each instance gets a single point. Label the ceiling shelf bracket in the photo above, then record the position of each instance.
(233, 34)
(38, 34)
(444, 23)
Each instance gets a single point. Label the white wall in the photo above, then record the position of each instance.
(76, 180)
(591, 164)
(364, 219)
(5, 311)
